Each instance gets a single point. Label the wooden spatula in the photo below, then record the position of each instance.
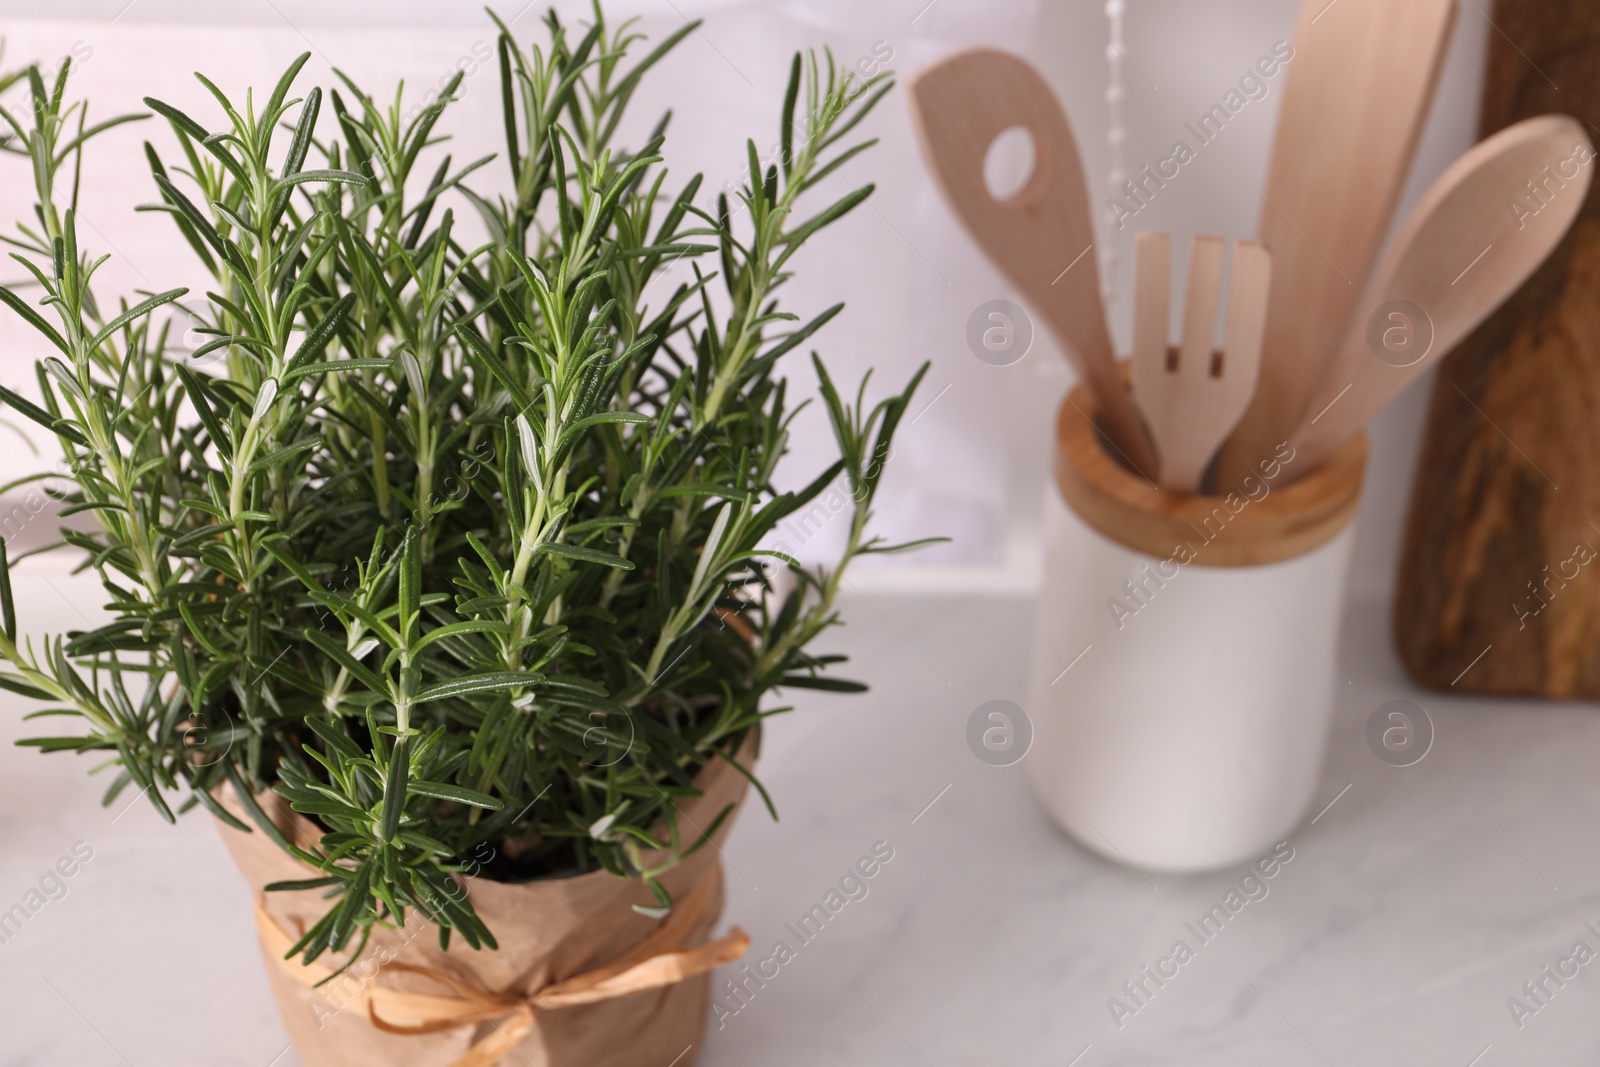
(1472, 240)
(1356, 93)
(1042, 237)
(1192, 396)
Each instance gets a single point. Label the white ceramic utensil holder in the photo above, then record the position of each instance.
(1183, 675)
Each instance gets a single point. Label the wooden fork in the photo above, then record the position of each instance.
(1192, 396)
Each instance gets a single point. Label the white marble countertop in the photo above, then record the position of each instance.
(1415, 906)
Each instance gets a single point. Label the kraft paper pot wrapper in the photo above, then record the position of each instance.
(549, 930)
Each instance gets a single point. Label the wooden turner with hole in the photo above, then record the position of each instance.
(1042, 237)
(1192, 396)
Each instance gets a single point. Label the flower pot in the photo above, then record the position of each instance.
(555, 993)
(1183, 662)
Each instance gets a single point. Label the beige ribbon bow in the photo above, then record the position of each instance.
(658, 960)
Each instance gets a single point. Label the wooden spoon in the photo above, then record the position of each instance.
(1356, 93)
(1473, 239)
(1042, 237)
(1192, 397)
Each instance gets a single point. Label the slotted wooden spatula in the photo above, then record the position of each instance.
(1192, 396)
(1042, 237)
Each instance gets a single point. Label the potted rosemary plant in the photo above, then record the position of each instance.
(436, 572)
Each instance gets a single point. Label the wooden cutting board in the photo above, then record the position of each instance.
(1499, 584)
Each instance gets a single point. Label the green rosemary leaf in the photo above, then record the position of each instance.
(144, 307)
(346, 176)
(34, 319)
(336, 366)
(201, 224)
(488, 682)
(223, 814)
(445, 791)
(281, 90)
(316, 339)
(396, 789)
(15, 684)
(810, 681)
(187, 125)
(585, 555)
(339, 654)
(300, 884)
(26, 407)
(8, 616)
(833, 212)
(786, 124)
(456, 629)
(58, 744)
